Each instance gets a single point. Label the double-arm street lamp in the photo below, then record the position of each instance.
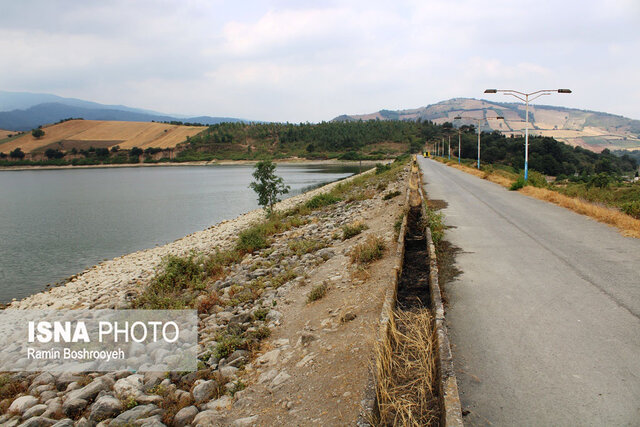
(526, 97)
(478, 121)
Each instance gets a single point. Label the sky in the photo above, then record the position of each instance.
(301, 61)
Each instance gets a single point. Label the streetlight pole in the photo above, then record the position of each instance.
(449, 146)
(459, 132)
(526, 98)
(478, 121)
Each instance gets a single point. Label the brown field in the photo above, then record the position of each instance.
(95, 133)
(6, 133)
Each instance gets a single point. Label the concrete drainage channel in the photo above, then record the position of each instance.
(413, 294)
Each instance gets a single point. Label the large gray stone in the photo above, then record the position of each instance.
(130, 386)
(74, 406)
(43, 379)
(204, 391)
(207, 419)
(34, 411)
(21, 404)
(38, 422)
(105, 407)
(137, 413)
(91, 390)
(153, 421)
(185, 416)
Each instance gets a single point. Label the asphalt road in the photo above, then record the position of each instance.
(544, 321)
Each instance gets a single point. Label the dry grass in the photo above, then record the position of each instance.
(495, 177)
(406, 372)
(628, 225)
(370, 250)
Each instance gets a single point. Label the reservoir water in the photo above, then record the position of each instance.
(55, 223)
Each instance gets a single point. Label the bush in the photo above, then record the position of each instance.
(602, 180)
(168, 289)
(631, 208)
(37, 133)
(227, 344)
(251, 240)
(350, 230)
(321, 200)
(380, 168)
(518, 184)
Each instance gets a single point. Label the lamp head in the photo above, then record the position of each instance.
(491, 91)
(564, 90)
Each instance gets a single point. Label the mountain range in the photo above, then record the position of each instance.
(21, 111)
(589, 129)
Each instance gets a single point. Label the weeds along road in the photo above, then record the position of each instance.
(544, 320)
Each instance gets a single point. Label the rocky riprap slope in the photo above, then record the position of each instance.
(247, 310)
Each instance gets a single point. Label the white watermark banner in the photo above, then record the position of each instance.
(98, 340)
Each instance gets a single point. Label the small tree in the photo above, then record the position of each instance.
(267, 185)
(37, 133)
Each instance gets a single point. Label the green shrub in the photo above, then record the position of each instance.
(227, 344)
(517, 184)
(435, 221)
(170, 288)
(631, 208)
(251, 240)
(380, 168)
(602, 180)
(321, 200)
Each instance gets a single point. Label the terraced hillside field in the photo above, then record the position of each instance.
(83, 134)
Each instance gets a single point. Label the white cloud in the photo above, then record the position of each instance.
(298, 61)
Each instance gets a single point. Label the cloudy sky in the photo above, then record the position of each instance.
(311, 60)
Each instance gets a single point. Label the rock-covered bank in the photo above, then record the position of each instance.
(287, 339)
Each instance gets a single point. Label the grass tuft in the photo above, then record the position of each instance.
(368, 251)
(318, 292)
(353, 229)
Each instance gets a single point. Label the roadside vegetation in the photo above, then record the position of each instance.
(609, 197)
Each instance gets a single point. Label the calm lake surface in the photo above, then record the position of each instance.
(55, 223)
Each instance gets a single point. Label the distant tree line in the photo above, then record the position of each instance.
(354, 140)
